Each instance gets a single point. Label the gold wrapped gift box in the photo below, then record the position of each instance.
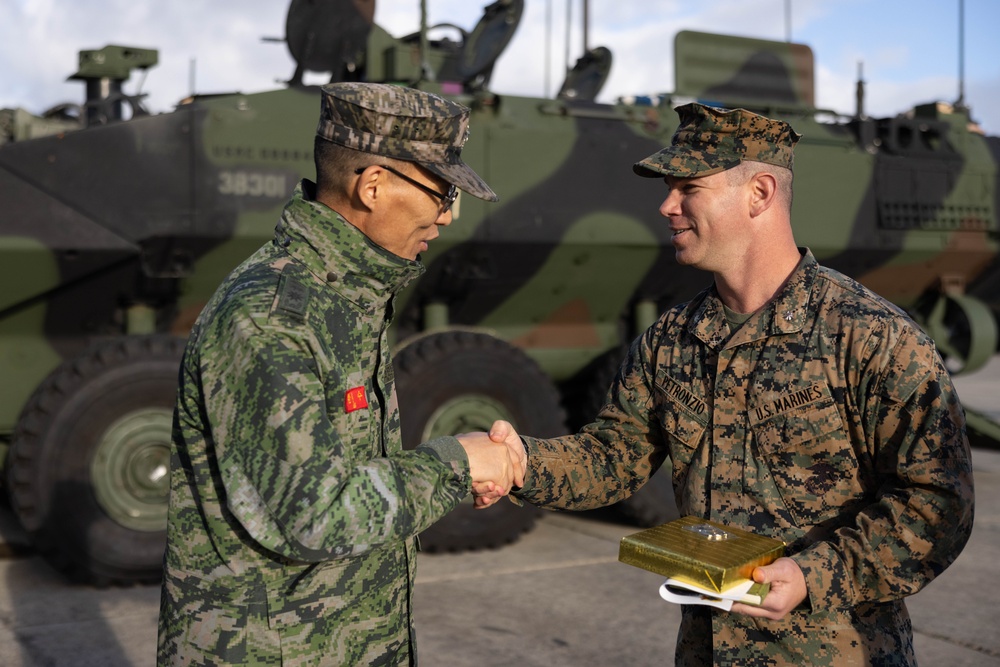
(700, 552)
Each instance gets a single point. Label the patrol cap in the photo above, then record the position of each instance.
(709, 140)
(401, 123)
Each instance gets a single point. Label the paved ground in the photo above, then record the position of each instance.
(557, 597)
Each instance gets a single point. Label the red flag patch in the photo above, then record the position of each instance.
(355, 399)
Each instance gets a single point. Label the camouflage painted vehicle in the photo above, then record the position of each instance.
(116, 231)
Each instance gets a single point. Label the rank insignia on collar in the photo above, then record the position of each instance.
(355, 399)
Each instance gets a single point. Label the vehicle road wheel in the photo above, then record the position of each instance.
(654, 503)
(88, 467)
(458, 381)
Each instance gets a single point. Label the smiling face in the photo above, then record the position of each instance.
(708, 220)
(411, 217)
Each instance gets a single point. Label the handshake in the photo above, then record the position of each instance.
(497, 462)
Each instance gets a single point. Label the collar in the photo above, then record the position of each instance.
(338, 253)
(784, 314)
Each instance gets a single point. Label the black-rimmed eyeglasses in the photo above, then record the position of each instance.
(447, 198)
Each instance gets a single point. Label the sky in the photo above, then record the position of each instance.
(909, 49)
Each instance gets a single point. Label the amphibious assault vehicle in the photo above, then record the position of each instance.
(116, 226)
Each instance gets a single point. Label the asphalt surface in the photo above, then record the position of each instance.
(556, 597)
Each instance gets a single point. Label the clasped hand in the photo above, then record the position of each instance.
(497, 462)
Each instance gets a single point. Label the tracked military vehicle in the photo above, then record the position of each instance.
(117, 225)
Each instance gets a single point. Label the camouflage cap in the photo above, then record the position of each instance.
(404, 124)
(709, 140)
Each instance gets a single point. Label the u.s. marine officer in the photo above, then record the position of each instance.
(793, 402)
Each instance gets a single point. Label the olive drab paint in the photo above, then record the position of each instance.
(118, 229)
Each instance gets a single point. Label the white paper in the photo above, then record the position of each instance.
(699, 595)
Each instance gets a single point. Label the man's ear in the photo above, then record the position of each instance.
(763, 192)
(369, 188)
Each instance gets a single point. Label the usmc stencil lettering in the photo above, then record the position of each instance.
(789, 401)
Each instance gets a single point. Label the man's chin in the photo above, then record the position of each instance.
(682, 258)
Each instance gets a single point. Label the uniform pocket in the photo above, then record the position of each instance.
(808, 454)
(349, 409)
(683, 415)
(202, 623)
(344, 612)
(684, 429)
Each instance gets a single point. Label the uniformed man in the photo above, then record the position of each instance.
(293, 508)
(792, 402)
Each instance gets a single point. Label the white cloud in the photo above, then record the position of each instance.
(39, 40)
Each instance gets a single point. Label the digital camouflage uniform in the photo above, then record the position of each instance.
(826, 420)
(293, 508)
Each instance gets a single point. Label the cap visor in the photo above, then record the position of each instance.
(683, 163)
(461, 176)
(647, 169)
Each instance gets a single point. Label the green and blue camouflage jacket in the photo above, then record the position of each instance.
(293, 508)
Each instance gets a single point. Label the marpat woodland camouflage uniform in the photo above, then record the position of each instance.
(293, 508)
(826, 420)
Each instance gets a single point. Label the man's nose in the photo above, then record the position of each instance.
(671, 205)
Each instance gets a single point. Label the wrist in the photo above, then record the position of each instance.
(450, 451)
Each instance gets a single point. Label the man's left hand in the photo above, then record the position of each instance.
(788, 590)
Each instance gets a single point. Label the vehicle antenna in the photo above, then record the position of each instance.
(569, 22)
(548, 46)
(859, 93)
(426, 74)
(961, 54)
(788, 20)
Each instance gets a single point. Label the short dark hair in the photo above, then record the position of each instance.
(336, 165)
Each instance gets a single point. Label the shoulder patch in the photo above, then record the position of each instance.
(293, 296)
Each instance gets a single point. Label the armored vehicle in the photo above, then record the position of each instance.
(117, 225)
